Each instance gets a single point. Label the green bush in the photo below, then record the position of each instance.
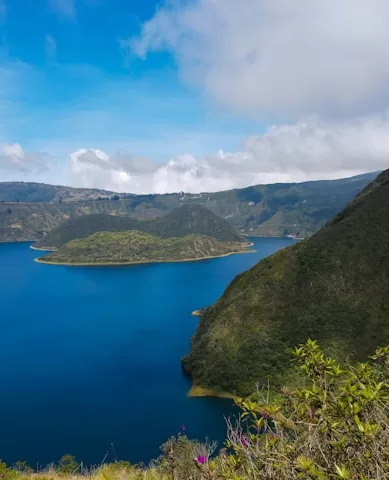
(6, 473)
(335, 426)
(68, 465)
(180, 457)
(23, 467)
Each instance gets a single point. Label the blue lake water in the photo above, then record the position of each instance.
(90, 357)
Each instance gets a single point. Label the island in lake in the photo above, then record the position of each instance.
(188, 233)
(121, 248)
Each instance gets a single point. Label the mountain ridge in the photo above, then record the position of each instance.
(37, 192)
(264, 210)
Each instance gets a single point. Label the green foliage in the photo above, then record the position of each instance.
(68, 465)
(23, 467)
(115, 470)
(331, 287)
(86, 225)
(335, 426)
(7, 473)
(179, 457)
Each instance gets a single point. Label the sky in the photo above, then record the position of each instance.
(192, 95)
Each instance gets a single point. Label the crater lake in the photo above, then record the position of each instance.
(90, 356)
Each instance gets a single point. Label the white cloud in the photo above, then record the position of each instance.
(279, 56)
(296, 152)
(51, 48)
(14, 158)
(65, 8)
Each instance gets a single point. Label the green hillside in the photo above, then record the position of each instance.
(138, 247)
(86, 225)
(332, 287)
(40, 192)
(195, 219)
(263, 210)
(182, 221)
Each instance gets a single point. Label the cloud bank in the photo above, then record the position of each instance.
(277, 57)
(287, 153)
(14, 158)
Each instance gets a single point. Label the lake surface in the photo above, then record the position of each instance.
(90, 357)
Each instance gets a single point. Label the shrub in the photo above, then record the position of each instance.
(23, 467)
(335, 426)
(183, 458)
(7, 473)
(68, 465)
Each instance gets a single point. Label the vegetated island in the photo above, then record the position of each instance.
(133, 247)
(180, 222)
(332, 287)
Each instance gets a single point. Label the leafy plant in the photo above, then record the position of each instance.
(68, 465)
(335, 426)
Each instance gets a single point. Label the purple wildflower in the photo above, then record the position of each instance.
(264, 414)
(183, 428)
(244, 441)
(201, 459)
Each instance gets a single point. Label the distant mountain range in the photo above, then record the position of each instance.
(332, 287)
(28, 211)
(30, 192)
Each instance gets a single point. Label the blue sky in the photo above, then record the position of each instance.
(76, 87)
(139, 95)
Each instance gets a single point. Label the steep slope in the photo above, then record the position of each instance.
(332, 287)
(265, 210)
(86, 225)
(31, 221)
(106, 248)
(195, 219)
(182, 221)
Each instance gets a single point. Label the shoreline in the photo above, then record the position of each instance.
(48, 249)
(201, 392)
(142, 262)
(16, 241)
(53, 249)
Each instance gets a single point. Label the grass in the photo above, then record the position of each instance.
(197, 391)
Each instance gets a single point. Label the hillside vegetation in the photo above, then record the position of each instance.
(138, 247)
(86, 225)
(332, 287)
(263, 210)
(182, 221)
